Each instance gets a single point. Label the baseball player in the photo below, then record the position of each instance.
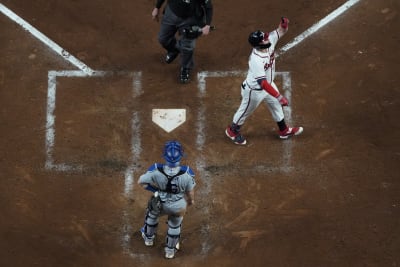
(259, 85)
(173, 186)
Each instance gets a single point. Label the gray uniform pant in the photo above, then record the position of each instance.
(170, 25)
(174, 211)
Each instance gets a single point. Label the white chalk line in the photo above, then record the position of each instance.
(287, 144)
(287, 91)
(136, 147)
(136, 150)
(52, 45)
(318, 26)
(127, 229)
(51, 106)
(50, 126)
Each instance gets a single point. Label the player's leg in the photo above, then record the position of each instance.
(175, 211)
(149, 230)
(166, 35)
(277, 114)
(187, 46)
(251, 99)
(173, 235)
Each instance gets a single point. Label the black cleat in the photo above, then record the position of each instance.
(184, 75)
(171, 55)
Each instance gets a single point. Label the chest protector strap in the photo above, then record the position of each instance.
(169, 188)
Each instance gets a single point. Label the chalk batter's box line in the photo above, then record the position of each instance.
(287, 91)
(200, 137)
(51, 105)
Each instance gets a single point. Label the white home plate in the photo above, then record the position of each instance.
(169, 119)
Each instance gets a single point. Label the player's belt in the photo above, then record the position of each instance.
(165, 201)
(246, 84)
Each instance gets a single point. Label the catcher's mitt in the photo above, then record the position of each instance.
(192, 32)
(154, 204)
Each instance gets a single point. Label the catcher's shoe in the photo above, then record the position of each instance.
(289, 132)
(237, 138)
(170, 252)
(148, 241)
(171, 55)
(184, 75)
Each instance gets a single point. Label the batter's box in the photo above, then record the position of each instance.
(88, 120)
(220, 97)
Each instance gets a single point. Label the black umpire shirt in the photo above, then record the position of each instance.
(190, 8)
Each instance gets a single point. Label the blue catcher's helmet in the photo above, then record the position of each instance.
(173, 152)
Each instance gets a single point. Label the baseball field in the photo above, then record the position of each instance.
(82, 83)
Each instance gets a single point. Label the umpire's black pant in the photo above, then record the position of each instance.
(170, 25)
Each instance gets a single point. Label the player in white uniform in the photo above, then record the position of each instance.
(173, 186)
(259, 85)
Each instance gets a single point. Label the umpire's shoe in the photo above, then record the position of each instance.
(184, 76)
(171, 55)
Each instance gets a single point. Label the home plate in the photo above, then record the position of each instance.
(169, 119)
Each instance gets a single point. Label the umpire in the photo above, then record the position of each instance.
(191, 18)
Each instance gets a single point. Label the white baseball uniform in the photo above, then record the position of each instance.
(261, 65)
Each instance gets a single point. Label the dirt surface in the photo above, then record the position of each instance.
(330, 197)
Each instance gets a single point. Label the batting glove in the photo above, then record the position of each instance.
(284, 22)
(283, 101)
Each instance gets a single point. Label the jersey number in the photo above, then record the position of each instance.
(172, 188)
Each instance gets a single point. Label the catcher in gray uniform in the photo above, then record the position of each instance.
(173, 187)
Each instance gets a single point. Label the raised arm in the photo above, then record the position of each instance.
(283, 26)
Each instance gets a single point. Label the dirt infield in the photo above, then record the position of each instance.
(330, 197)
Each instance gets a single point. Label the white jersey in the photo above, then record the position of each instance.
(262, 64)
(173, 185)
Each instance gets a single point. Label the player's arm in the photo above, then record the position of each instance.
(146, 180)
(149, 186)
(189, 188)
(155, 12)
(190, 197)
(283, 26)
(208, 8)
(272, 91)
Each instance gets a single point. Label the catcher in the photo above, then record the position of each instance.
(173, 187)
